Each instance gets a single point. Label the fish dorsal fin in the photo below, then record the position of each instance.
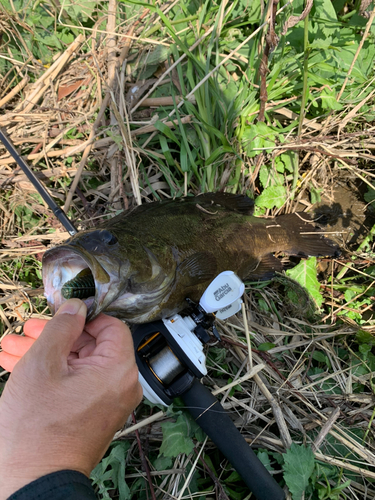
(236, 202)
(197, 268)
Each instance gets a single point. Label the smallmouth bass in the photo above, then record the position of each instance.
(142, 264)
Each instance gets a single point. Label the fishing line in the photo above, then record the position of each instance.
(65, 221)
(206, 409)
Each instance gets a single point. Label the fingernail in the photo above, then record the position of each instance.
(73, 306)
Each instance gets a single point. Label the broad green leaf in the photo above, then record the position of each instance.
(370, 196)
(315, 195)
(286, 161)
(80, 10)
(176, 438)
(234, 477)
(349, 295)
(299, 464)
(269, 177)
(319, 356)
(325, 10)
(329, 101)
(320, 43)
(305, 274)
(162, 463)
(265, 459)
(49, 40)
(256, 137)
(364, 349)
(157, 56)
(273, 196)
(114, 477)
(266, 346)
(363, 337)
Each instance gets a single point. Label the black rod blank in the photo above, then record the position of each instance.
(38, 185)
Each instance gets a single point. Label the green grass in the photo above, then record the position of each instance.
(317, 342)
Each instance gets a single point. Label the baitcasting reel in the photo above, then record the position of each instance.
(170, 359)
(169, 352)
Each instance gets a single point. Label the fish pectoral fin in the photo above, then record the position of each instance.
(267, 266)
(197, 268)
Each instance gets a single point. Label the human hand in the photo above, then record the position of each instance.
(70, 391)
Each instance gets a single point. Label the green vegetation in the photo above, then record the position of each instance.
(278, 106)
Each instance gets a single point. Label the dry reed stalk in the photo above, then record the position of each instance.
(325, 429)
(6, 321)
(192, 470)
(14, 91)
(43, 83)
(129, 152)
(139, 425)
(103, 107)
(345, 465)
(246, 326)
(57, 139)
(171, 124)
(341, 435)
(252, 373)
(277, 412)
(163, 101)
(353, 112)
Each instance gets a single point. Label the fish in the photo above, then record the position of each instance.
(144, 263)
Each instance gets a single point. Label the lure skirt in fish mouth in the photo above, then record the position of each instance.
(74, 273)
(143, 264)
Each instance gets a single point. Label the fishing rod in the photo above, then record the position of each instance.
(62, 217)
(171, 361)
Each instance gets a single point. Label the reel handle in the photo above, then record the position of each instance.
(216, 423)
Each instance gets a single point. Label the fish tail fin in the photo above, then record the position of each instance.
(307, 239)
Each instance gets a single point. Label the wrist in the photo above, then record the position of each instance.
(62, 484)
(16, 475)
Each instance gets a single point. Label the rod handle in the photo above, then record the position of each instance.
(216, 423)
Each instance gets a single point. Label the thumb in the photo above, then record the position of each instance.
(58, 336)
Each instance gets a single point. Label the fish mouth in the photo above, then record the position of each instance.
(74, 273)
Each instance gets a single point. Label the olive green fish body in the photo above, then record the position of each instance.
(145, 262)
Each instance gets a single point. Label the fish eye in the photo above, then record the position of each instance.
(108, 238)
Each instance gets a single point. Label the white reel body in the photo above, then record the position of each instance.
(169, 353)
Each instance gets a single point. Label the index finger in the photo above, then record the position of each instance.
(33, 327)
(112, 336)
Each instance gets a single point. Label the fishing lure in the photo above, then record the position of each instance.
(80, 287)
